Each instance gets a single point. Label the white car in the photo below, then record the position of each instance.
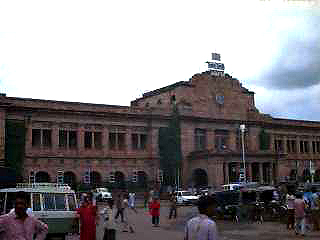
(186, 197)
(102, 194)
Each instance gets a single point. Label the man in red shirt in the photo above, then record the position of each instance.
(155, 212)
(299, 206)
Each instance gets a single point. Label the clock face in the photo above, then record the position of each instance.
(220, 99)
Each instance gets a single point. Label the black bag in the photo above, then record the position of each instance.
(109, 234)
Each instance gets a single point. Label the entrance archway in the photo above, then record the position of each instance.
(293, 175)
(200, 178)
(317, 175)
(142, 179)
(119, 179)
(70, 179)
(95, 178)
(306, 175)
(42, 177)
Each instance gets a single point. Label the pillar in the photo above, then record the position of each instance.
(261, 173)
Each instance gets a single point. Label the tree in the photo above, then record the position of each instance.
(170, 149)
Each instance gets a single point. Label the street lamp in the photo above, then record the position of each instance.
(243, 128)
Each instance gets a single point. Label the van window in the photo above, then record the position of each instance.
(11, 198)
(71, 202)
(60, 202)
(54, 202)
(48, 202)
(2, 199)
(36, 204)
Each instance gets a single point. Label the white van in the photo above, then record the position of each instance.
(186, 197)
(231, 187)
(54, 204)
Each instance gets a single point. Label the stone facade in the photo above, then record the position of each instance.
(115, 141)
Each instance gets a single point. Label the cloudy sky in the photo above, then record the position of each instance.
(111, 52)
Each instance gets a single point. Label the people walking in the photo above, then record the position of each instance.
(146, 199)
(131, 202)
(119, 206)
(155, 211)
(202, 227)
(20, 225)
(109, 226)
(127, 224)
(87, 214)
(315, 210)
(299, 211)
(173, 206)
(290, 213)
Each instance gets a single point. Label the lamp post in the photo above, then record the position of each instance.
(243, 128)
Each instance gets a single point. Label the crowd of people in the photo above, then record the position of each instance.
(303, 212)
(303, 215)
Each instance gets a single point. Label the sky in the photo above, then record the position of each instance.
(111, 52)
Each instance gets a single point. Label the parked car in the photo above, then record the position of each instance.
(186, 197)
(102, 194)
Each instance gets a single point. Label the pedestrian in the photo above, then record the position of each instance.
(120, 207)
(146, 198)
(87, 213)
(20, 225)
(299, 212)
(290, 206)
(155, 211)
(131, 202)
(173, 206)
(202, 227)
(315, 210)
(109, 225)
(127, 224)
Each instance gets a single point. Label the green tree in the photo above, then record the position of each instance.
(170, 149)
(264, 140)
(15, 145)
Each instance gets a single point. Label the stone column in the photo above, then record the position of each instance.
(226, 172)
(128, 140)
(261, 172)
(80, 139)
(233, 140)
(105, 140)
(284, 140)
(55, 137)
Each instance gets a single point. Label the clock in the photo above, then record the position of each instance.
(220, 99)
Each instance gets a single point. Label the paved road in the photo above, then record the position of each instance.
(174, 229)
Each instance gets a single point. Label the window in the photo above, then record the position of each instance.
(48, 199)
(291, 146)
(221, 139)
(46, 134)
(98, 140)
(60, 202)
(121, 141)
(36, 204)
(88, 139)
(306, 146)
(72, 139)
(36, 137)
(301, 147)
(313, 146)
(318, 146)
(139, 141)
(200, 139)
(63, 138)
(278, 145)
(117, 141)
(112, 141)
(71, 202)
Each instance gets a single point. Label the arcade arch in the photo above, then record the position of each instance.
(42, 177)
(200, 178)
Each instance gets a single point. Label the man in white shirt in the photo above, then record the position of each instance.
(202, 227)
